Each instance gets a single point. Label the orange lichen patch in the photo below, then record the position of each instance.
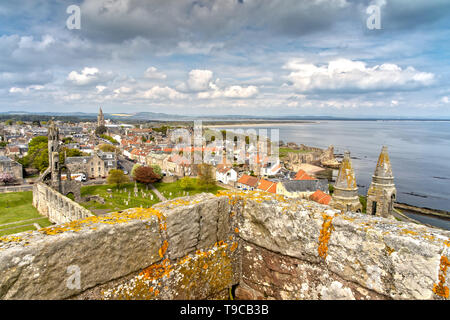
(179, 202)
(409, 232)
(236, 230)
(325, 234)
(113, 218)
(440, 289)
(234, 246)
(8, 239)
(163, 248)
(389, 250)
(187, 278)
(257, 196)
(157, 271)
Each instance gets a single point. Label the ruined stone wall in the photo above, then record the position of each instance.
(199, 247)
(57, 207)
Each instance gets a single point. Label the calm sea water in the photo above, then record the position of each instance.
(419, 153)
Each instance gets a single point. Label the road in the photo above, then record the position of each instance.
(125, 164)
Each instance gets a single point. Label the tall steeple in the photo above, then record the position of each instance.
(53, 155)
(100, 118)
(382, 192)
(345, 196)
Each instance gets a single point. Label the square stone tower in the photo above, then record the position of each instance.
(382, 192)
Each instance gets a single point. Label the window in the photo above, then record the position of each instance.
(374, 208)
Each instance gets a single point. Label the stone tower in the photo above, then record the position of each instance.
(53, 156)
(345, 196)
(100, 118)
(382, 193)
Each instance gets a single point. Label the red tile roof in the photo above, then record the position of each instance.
(302, 175)
(248, 180)
(320, 197)
(267, 186)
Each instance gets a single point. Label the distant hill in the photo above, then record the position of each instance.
(158, 116)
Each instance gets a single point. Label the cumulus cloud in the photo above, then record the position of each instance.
(445, 99)
(162, 93)
(177, 21)
(86, 76)
(93, 76)
(153, 73)
(234, 92)
(354, 76)
(27, 42)
(26, 90)
(199, 80)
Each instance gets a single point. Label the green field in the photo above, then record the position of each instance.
(15, 209)
(283, 152)
(174, 190)
(17, 213)
(116, 200)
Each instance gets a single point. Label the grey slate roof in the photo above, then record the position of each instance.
(306, 185)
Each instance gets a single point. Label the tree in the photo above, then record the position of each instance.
(146, 175)
(107, 148)
(6, 178)
(133, 170)
(157, 169)
(67, 140)
(37, 156)
(187, 183)
(206, 176)
(110, 139)
(100, 130)
(117, 177)
(70, 153)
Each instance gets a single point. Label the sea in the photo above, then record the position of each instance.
(419, 152)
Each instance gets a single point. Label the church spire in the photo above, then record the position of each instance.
(100, 118)
(382, 193)
(345, 196)
(383, 168)
(346, 176)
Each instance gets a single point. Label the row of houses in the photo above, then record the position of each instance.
(302, 186)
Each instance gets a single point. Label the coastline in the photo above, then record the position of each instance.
(251, 124)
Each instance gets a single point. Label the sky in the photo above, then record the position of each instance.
(224, 57)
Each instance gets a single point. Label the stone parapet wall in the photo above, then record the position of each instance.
(108, 249)
(297, 249)
(57, 207)
(199, 247)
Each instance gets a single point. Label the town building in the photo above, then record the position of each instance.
(97, 165)
(267, 186)
(226, 175)
(7, 165)
(320, 197)
(247, 182)
(382, 192)
(301, 188)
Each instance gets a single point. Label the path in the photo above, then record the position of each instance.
(158, 194)
(16, 222)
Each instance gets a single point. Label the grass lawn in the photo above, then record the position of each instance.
(116, 200)
(283, 152)
(174, 190)
(15, 207)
